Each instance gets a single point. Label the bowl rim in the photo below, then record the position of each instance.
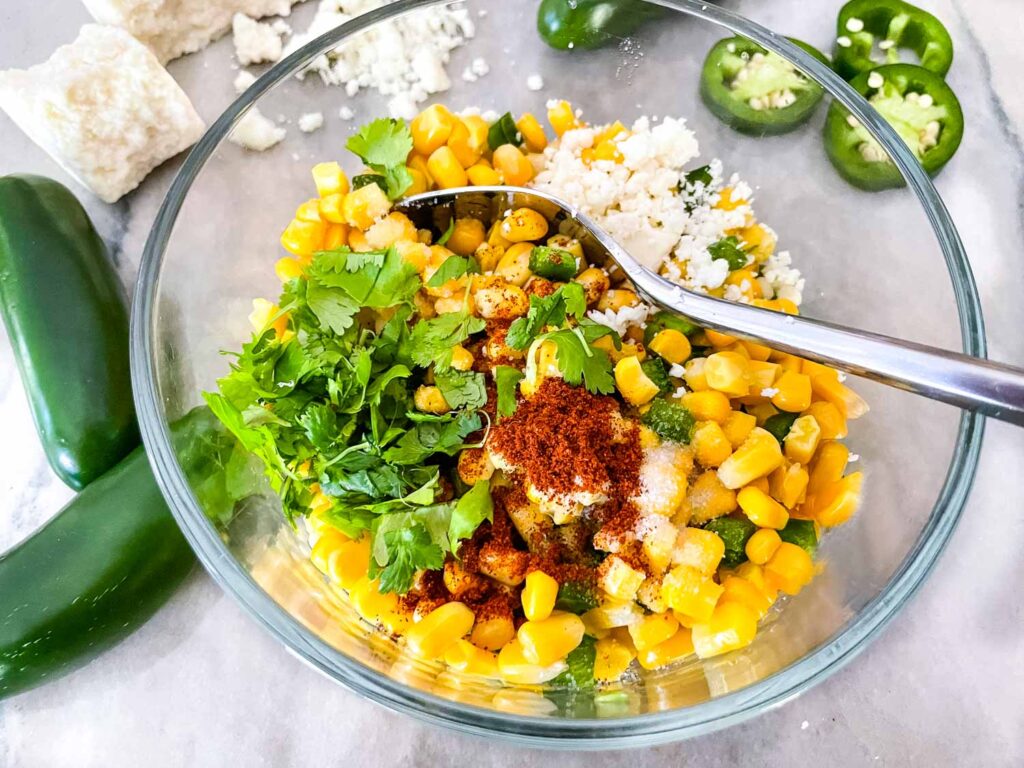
(638, 730)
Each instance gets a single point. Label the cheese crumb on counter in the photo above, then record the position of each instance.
(243, 80)
(403, 59)
(535, 82)
(346, 113)
(311, 121)
(104, 108)
(256, 132)
(172, 28)
(255, 42)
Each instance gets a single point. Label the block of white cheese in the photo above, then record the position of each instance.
(176, 27)
(104, 108)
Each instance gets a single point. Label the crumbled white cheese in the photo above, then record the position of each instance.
(676, 371)
(243, 80)
(843, 41)
(255, 41)
(311, 121)
(172, 28)
(854, 25)
(346, 113)
(403, 59)
(769, 392)
(104, 108)
(662, 480)
(621, 320)
(875, 80)
(885, 45)
(535, 82)
(256, 132)
(852, 458)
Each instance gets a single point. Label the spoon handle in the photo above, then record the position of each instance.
(971, 383)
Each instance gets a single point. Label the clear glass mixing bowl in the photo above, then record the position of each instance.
(889, 262)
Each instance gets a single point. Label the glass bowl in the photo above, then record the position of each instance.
(889, 262)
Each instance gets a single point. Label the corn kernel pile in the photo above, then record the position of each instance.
(677, 599)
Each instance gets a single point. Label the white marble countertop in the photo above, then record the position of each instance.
(201, 685)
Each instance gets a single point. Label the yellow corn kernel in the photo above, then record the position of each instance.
(611, 660)
(461, 143)
(694, 375)
(746, 281)
(626, 349)
(329, 542)
(709, 405)
(758, 352)
(287, 269)
(515, 668)
(329, 179)
(357, 241)
(762, 411)
(745, 592)
(420, 182)
(465, 657)
(604, 150)
(790, 568)
(455, 303)
(462, 358)
(829, 465)
(652, 630)
(483, 176)
(788, 484)
(794, 392)
(347, 562)
(369, 602)
(677, 647)
(430, 400)
(826, 386)
(699, 549)
(719, 340)
(539, 595)
(759, 455)
(445, 169)
(710, 444)
(616, 299)
(762, 545)
(468, 234)
(478, 129)
(762, 375)
(831, 421)
(562, 117)
(737, 427)
(761, 509)
(754, 573)
(330, 208)
(309, 211)
(689, 591)
(303, 238)
(802, 440)
(493, 632)
(760, 483)
(633, 384)
(264, 315)
(671, 345)
(362, 207)
(707, 498)
(595, 282)
(836, 502)
(336, 237)
(618, 579)
(522, 225)
(389, 230)
(659, 542)
(568, 244)
(439, 630)
(515, 167)
(732, 626)
(786, 361)
(395, 622)
(612, 613)
(548, 641)
(431, 128)
(414, 253)
(759, 241)
(533, 132)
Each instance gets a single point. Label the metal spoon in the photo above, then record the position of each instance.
(971, 383)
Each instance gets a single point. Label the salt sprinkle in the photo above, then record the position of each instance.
(769, 392)
(804, 725)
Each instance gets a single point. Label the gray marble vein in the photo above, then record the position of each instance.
(202, 685)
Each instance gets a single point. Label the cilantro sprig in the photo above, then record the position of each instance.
(384, 146)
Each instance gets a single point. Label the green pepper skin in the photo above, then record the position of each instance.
(905, 25)
(67, 320)
(99, 569)
(842, 141)
(588, 24)
(738, 114)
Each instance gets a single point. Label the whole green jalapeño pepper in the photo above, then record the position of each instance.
(917, 103)
(756, 91)
(872, 32)
(566, 24)
(68, 323)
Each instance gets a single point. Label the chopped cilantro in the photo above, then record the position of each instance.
(662, 320)
(447, 234)
(506, 378)
(376, 279)
(734, 532)
(384, 146)
(471, 509)
(701, 175)
(579, 361)
(728, 248)
(580, 674)
(431, 341)
(453, 268)
(779, 424)
(569, 300)
(426, 438)
(657, 373)
(504, 131)
(576, 597)
(366, 179)
(409, 548)
(462, 389)
(670, 420)
(802, 533)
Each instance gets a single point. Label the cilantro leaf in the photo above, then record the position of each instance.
(470, 511)
(453, 268)
(655, 370)
(576, 597)
(728, 248)
(384, 146)
(431, 341)
(377, 279)
(447, 234)
(462, 389)
(409, 549)
(670, 420)
(333, 308)
(506, 378)
(570, 299)
(580, 674)
(426, 438)
(579, 361)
